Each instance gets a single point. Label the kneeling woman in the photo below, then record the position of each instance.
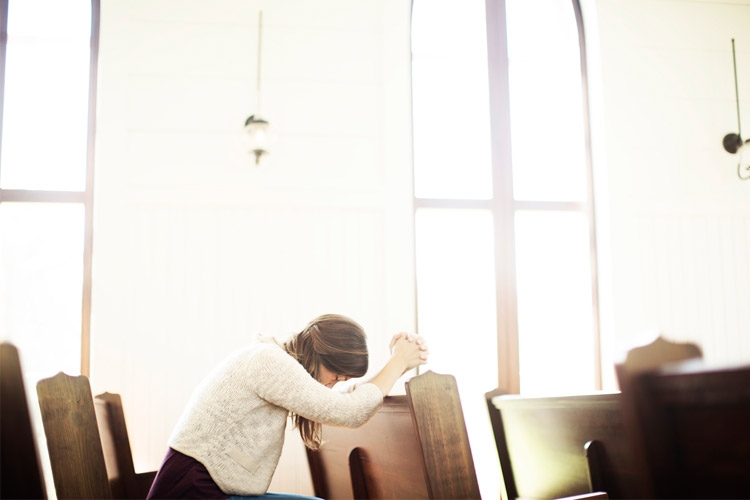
(228, 440)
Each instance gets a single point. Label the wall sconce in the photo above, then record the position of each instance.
(733, 142)
(255, 126)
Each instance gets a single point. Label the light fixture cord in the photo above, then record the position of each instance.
(736, 91)
(260, 42)
(739, 126)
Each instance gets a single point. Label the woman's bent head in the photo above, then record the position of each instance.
(338, 344)
(334, 341)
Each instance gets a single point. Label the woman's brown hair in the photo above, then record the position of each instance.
(336, 342)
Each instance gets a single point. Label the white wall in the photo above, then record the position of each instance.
(674, 217)
(196, 249)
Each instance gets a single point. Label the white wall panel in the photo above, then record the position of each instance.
(676, 211)
(693, 275)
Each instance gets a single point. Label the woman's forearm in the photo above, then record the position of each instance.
(387, 377)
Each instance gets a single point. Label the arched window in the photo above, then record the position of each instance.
(504, 215)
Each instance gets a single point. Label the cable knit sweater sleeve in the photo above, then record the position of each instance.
(281, 380)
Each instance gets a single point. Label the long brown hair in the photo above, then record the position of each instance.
(338, 343)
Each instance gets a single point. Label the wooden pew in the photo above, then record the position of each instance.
(645, 358)
(691, 429)
(395, 456)
(441, 432)
(414, 447)
(73, 442)
(124, 481)
(561, 446)
(653, 356)
(20, 469)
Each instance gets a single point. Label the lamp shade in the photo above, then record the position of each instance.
(257, 130)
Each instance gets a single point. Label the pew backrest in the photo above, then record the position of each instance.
(441, 432)
(414, 447)
(655, 355)
(124, 481)
(639, 360)
(20, 468)
(385, 447)
(692, 426)
(561, 446)
(73, 442)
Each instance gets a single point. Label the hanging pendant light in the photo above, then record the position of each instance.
(257, 129)
(733, 143)
(255, 126)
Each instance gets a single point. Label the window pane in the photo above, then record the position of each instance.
(450, 101)
(41, 276)
(456, 310)
(46, 95)
(555, 322)
(547, 134)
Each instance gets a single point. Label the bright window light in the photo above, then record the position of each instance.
(41, 277)
(45, 107)
(450, 101)
(547, 134)
(555, 323)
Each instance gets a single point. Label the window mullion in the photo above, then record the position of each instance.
(502, 182)
(448, 203)
(590, 206)
(34, 196)
(551, 205)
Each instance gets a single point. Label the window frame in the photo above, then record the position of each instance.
(85, 197)
(504, 206)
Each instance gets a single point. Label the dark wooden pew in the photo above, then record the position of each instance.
(124, 481)
(414, 447)
(690, 428)
(561, 446)
(20, 469)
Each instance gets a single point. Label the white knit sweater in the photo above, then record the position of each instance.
(235, 421)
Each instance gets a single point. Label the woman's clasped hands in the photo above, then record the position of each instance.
(409, 348)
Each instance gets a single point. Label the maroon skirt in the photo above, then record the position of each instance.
(183, 477)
